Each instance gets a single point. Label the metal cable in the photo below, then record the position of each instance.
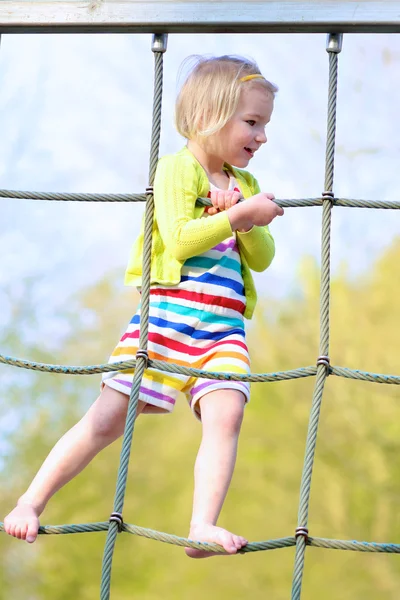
(144, 320)
(322, 371)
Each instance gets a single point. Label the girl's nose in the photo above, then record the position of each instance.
(261, 137)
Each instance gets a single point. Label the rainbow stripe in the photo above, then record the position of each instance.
(198, 323)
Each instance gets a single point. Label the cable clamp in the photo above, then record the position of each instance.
(143, 354)
(301, 531)
(328, 195)
(323, 360)
(117, 518)
(149, 189)
(159, 42)
(334, 42)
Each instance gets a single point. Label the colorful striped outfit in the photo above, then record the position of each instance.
(196, 323)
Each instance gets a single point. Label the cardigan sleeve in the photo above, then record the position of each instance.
(175, 195)
(257, 245)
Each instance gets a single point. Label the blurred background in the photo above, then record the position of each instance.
(75, 116)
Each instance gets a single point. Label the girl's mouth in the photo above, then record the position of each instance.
(250, 152)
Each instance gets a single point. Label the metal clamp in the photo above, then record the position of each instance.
(334, 42)
(328, 195)
(143, 354)
(116, 517)
(149, 189)
(324, 360)
(159, 42)
(301, 531)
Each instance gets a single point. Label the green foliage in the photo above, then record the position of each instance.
(355, 480)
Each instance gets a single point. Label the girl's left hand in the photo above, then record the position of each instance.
(222, 200)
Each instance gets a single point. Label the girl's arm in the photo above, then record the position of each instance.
(175, 195)
(258, 247)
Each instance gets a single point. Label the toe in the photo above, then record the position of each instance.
(240, 541)
(24, 529)
(228, 542)
(31, 536)
(32, 532)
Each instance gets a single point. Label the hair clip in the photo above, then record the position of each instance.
(253, 76)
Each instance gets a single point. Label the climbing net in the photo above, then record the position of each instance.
(301, 538)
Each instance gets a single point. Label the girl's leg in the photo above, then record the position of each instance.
(221, 416)
(102, 424)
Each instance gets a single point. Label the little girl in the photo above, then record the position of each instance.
(201, 289)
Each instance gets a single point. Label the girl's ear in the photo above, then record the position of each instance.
(201, 121)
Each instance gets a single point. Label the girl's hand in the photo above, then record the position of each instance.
(263, 209)
(222, 200)
(258, 210)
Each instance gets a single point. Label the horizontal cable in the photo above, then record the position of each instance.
(75, 197)
(307, 202)
(353, 545)
(366, 203)
(298, 373)
(160, 536)
(284, 203)
(309, 371)
(364, 375)
(157, 364)
(251, 546)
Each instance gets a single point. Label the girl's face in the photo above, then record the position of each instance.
(244, 133)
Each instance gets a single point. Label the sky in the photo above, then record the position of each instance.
(75, 116)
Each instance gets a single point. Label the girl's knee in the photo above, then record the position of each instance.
(232, 418)
(106, 417)
(223, 410)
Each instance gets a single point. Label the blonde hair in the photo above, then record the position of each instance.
(210, 94)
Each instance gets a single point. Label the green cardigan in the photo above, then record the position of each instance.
(179, 233)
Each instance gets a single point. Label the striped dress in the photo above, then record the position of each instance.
(197, 323)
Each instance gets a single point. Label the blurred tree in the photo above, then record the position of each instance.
(355, 481)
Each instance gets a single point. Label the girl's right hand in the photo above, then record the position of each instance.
(222, 200)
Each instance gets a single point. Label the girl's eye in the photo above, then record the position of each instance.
(251, 122)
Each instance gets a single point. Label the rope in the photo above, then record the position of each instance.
(76, 197)
(160, 365)
(144, 321)
(284, 203)
(321, 371)
(167, 538)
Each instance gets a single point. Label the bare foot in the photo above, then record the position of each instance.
(22, 523)
(206, 532)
